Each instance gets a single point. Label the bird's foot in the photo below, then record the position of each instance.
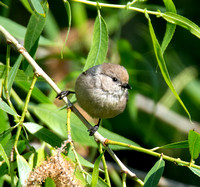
(63, 94)
(92, 130)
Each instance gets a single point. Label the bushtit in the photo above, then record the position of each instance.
(102, 91)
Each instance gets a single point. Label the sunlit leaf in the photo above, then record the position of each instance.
(194, 144)
(98, 50)
(23, 169)
(162, 64)
(4, 106)
(153, 176)
(43, 134)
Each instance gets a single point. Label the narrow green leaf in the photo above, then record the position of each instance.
(176, 145)
(23, 169)
(182, 21)
(153, 176)
(34, 29)
(33, 32)
(43, 134)
(4, 156)
(38, 7)
(4, 106)
(95, 173)
(54, 119)
(170, 28)
(194, 144)
(13, 72)
(19, 31)
(195, 171)
(68, 10)
(99, 46)
(162, 65)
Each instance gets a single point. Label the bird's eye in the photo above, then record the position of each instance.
(114, 79)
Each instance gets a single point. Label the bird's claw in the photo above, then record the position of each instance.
(63, 94)
(92, 130)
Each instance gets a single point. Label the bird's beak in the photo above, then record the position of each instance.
(126, 85)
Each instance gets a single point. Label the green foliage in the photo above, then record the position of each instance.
(162, 64)
(183, 22)
(194, 144)
(23, 169)
(5, 107)
(153, 176)
(4, 156)
(33, 128)
(38, 7)
(99, 46)
(95, 173)
(170, 28)
(176, 145)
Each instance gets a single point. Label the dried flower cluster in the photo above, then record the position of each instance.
(60, 170)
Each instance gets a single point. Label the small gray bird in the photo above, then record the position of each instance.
(102, 91)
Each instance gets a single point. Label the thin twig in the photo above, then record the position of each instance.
(98, 137)
(124, 179)
(7, 94)
(40, 72)
(127, 6)
(151, 152)
(19, 127)
(104, 165)
(71, 143)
